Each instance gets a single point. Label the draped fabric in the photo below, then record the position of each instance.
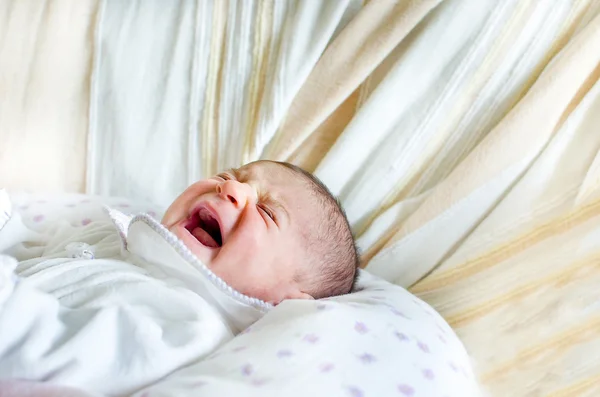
(462, 137)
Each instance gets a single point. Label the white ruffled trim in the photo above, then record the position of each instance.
(185, 252)
(121, 222)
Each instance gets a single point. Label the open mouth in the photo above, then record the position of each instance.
(205, 228)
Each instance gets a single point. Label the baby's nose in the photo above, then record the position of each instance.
(235, 192)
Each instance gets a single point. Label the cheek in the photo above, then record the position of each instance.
(250, 236)
(249, 245)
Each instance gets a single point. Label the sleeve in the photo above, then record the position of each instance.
(114, 349)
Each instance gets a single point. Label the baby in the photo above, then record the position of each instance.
(270, 230)
(134, 304)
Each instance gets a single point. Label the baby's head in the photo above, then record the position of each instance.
(270, 230)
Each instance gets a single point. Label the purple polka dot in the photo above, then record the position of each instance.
(200, 383)
(367, 358)
(86, 221)
(38, 218)
(259, 382)
(398, 313)
(247, 370)
(428, 374)
(441, 329)
(238, 349)
(322, 306)
(453, 366)
(70, 205)
(284, 353)
(406, 390)
(354, 391)
(361, 328)
(23, 207)
(124, 205)
(151, 213)
(311, 338)
(246, 331)
(326, 367)
(401, 336)
(423, 346)
(442, 339)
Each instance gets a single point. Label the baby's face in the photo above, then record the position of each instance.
(246, 225)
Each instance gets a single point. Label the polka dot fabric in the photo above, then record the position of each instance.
(41, 212)
(379, 341)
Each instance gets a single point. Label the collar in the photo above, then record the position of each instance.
(144, 237)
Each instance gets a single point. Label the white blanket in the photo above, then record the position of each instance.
(87, 310)
(158, 324)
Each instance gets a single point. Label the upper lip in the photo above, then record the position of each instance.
(207, 206)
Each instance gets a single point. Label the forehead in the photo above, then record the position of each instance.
(274, 177)
(280, 183)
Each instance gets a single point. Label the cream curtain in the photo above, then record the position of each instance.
(463, 137)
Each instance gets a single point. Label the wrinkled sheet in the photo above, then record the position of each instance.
(39, 389)
(383, 340)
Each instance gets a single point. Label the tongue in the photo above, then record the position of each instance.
(204, 237)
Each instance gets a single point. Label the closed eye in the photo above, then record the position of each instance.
(267, 211)
(224, 176)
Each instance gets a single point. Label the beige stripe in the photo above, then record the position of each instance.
(210, 126)
(504, 42)
(558, 343)
(506, 145)
(563, 276)
(570, 23)
(579, 10)
(404, 188)
(468, 269)
(312, 150)
(367, 39)
(470, 170)
(579, 388)
(260, 62)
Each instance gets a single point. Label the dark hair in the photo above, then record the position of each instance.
(331, 245)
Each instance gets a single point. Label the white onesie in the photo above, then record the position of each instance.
(111, 298)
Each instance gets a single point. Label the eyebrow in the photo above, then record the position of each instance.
(268, 199)
(242, 175)
(236, 172)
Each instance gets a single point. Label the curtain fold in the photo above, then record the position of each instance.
(462, 137)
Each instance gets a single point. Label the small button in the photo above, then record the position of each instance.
(80, 250)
